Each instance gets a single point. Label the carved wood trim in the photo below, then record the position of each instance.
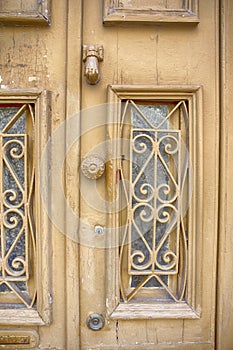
(40, 313)
(18, 15)
(191, 306)
(116, 13)
(165, 310)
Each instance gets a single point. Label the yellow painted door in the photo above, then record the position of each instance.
(126, 95)
(148, 225)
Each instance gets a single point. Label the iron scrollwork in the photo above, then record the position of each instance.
(155, 230)
(17, 183)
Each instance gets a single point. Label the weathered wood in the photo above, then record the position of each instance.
(42, 314)
(24, 18)
(150, 12)
(26, 12)
(33, 58)
(50, 58)
(20, 317)
(150, 311)
(160, 93)
(142, 346)
(224, 319)
(73, 101)
(164, 55)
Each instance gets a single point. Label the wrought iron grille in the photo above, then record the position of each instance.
(153, 252)
(17, 239)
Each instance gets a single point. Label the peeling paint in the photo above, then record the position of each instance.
(30, 79)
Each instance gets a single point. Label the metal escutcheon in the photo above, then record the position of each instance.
(95, 322)
(93, 167)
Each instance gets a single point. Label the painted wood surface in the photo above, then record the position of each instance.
(50, 58)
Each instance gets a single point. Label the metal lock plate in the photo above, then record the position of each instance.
(95, 322)
(18, 339)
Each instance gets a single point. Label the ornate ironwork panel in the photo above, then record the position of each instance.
(154, 244)
(17, 239)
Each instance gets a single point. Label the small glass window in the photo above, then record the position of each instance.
(17, 238)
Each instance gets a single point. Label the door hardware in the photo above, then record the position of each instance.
(95, 322)
(92, 55)
(99, 230)
(93, 167)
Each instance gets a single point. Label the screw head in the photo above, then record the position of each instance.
(99, 230)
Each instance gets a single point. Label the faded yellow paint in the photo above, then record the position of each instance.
(49, 57)
(225, 250)
(157, 55)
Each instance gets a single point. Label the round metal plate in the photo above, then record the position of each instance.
(93, 167)
(95, 322)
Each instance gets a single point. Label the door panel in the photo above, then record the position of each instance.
(154, 239)
(153, 55)
(147, 61)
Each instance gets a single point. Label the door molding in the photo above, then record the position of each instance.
(190, 307)
(224, 319)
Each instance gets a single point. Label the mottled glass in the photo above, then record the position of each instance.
(145, 135)
(13, 175)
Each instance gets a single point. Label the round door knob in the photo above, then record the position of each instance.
(93, 167)
(95, 322)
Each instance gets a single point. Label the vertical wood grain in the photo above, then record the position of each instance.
(73, 100)
(224, 319)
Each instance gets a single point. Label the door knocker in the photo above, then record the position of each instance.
(92, 55)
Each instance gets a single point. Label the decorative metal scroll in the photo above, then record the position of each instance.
(17, 174)
(154, 244)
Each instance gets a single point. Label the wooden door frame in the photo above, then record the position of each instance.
(224, 319)
(72, 107)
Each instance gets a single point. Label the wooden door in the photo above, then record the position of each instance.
(121, 100)
(158, 71)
